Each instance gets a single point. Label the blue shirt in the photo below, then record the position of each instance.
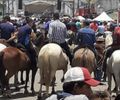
(24, 35)
(86, 36)
(6, 30)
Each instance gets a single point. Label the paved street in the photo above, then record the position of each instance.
(19, 95)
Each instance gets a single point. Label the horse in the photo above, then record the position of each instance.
(50, 59)
(113, 68)
(23, 61)
(113, 63)
(9, 57)
(84, 57)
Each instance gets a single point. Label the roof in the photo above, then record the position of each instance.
(103, 17)
(39, 6)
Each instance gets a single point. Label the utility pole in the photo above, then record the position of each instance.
(73, 7)
(3, 3)
(78, 4)
(8, 7)
(118, 3)
(59, 5)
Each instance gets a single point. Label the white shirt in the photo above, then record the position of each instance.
(72, 97)
(57, 32)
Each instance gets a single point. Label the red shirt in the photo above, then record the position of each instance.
(94, 26)
(116, 36)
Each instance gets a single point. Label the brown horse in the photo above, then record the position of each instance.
(11, 55)
(12, 60)
(84, 57)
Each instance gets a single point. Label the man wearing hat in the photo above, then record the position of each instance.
(77, 85)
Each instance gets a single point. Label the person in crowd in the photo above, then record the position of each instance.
(86, 37)
(77, 85)
(110, 49)
(7, 30)
(78, 24)
(57, 34)
(101, 29)
(94, 26)
(24, 40)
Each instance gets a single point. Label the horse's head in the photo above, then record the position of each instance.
(40, 40)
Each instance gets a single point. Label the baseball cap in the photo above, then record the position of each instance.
(80, 74)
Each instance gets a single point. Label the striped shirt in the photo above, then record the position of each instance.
(57, 32)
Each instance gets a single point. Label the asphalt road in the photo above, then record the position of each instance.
(19, 95)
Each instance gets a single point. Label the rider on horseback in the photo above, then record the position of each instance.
(24, 40)
(86, 37)
(114, 46)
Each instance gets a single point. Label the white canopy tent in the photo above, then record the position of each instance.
(103, 17)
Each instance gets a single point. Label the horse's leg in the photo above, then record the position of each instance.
(33, 79)
(16, 82)
(116, 86)
(2, 79)
(109, 81)
(53, 85)
(21, 78)
(41, 83)
(64, 71)
(8, 76)
(27, 79)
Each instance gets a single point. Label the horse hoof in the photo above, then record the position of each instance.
(8, 95)
(33, 92)
(17, 88)
(39, 97)
(22, 82)
(26, 91)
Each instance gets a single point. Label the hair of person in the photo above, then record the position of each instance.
(117, 97)
(56, 15)
(29, 20)
(68, 86)
(86, 23)
(6, 18)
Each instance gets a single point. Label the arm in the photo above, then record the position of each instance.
(50, 33)
(13, 36)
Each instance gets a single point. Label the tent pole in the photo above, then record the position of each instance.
(118, 13)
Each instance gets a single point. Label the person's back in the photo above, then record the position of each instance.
(88, 36)
(23, 35)
(58, 31)
(6, 28)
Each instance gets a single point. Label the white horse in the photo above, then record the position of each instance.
(113, 65)
(50, 59)
(113, 68)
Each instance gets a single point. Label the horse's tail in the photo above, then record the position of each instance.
(84, 57)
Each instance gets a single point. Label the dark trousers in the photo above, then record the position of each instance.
(67, 50)
(30, 52)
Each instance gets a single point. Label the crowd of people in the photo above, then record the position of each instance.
(77, 80)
